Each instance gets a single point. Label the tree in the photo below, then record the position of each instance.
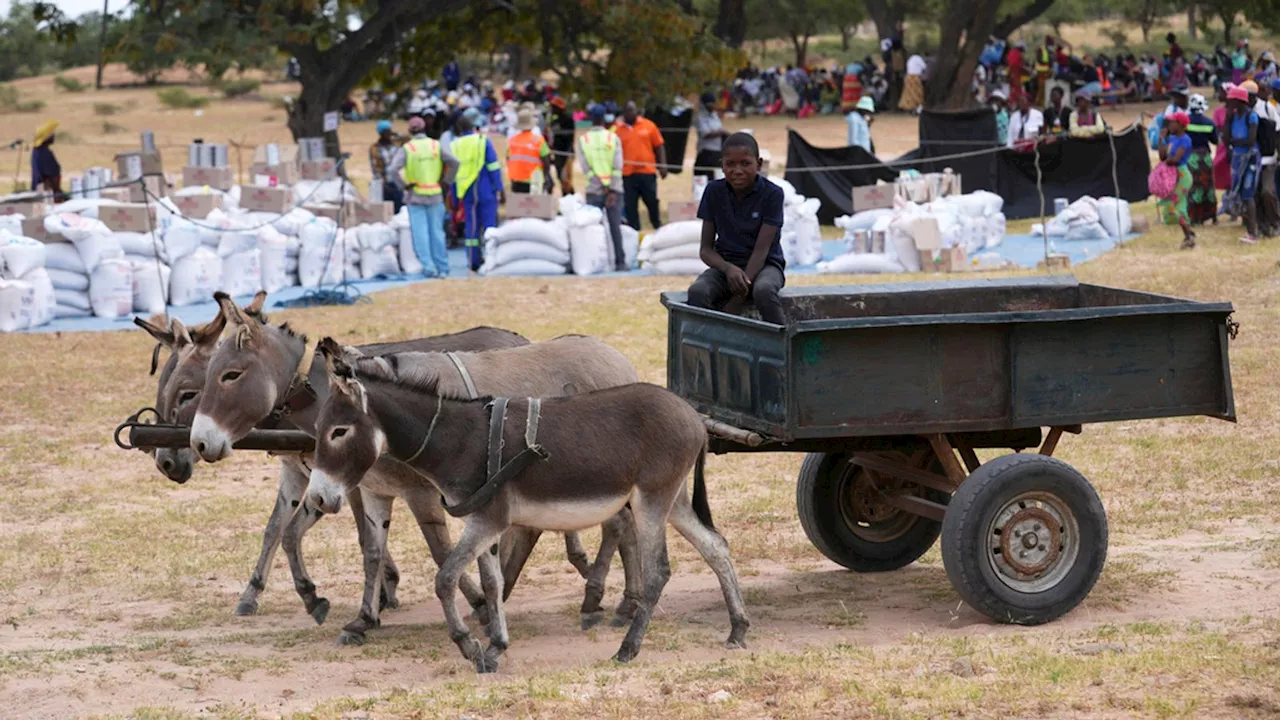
(1228, 11)
(800, 20)
(731, 22)
(1066, 12)
(1144, 13)
(966, 25)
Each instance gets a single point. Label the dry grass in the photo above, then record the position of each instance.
(116, 586)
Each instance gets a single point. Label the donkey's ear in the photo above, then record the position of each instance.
(254, 308)
(181, 336)
(231, 311)
(333, 358)
(156, 328)
(207, 335)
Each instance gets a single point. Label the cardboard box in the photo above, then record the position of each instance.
(157, 186)
(133, 217)
(531, 206)
(924, 230)
(350, 215)
(266, 199)
(284, 173)
(375, 212)
(33, 227)
(222, 178)
(25, 208)
(682, 211)
(288, 155)
(134, 164)
(1056, 261)
(197, 206)
(318, 169)
(118, 194)
(946, 260)
(872, 197)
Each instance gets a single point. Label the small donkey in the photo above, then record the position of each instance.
(597, 453)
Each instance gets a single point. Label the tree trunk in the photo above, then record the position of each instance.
(846, 34)
(102, 45)
(1228, 22)
(886, 14)
(731, 22)
(1146, 31)
(966, 25)
(801, 45)
(1191, 21)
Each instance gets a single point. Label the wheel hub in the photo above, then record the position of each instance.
(863, 508)
(1033, 541)
(1029, 541)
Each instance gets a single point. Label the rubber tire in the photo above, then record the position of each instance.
(823, 524)
(972, 509)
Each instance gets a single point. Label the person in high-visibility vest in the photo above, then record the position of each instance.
(478, 187)
(429, 168)
(1044, 65)
(528, 158)
(600, 159)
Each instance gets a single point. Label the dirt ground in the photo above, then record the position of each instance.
(117, 586)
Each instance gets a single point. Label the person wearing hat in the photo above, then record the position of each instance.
(859, 121)
(1202, 202)
(382, 155)
(478, 189)
(711, 135)
(1085, 121)
(998, 101)
(1240, 134)
(46, 173)
(429, 169)
(1175, 149)
(1177, 100)
(600, 159)
(528, 157)
(1268, 127)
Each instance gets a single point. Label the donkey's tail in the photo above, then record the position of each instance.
(700, 506)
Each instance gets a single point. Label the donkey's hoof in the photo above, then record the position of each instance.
(388, 600)
(350, 637)
(732, 644)
(620, 620)
(246, 608)
(320, 611)
(485, 664)
(592, 619)
(626, 654)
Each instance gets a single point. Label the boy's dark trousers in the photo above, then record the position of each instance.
(711, 290)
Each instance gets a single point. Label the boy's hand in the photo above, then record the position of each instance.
(738, 280)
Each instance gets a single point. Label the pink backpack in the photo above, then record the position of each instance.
(1162, 180)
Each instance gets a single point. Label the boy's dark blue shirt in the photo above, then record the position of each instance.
(738, 220)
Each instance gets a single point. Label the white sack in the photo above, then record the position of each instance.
(547, 232)
(111, 289)
(64, 312)
(17, 299)
(676, 252)
(242, 273)
(630, 245)
(142, 244)
(529, 266)
(274, 249)
(1119, 225)
(375, 236)
(73, 227)
(237, 242)
(679, 266)
(677, 233)
(409, 262)
(510, 252)
(382, 262)
(150, 286)
(20, 255)
(67, 280)
(78, 299)
(863, 220)
(589, 250)
(195, 277)
(1086, 231)
(44, 297)
(861, 263)
(182, 237)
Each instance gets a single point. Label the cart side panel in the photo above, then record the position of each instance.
(1120, 368)
(731, 369)
(887, 380)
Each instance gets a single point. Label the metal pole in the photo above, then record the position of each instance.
(102, 44)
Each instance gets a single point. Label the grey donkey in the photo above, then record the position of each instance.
(181, 383)
(243, 384)
(599, 451)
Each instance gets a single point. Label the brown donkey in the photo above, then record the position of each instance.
(594, 454)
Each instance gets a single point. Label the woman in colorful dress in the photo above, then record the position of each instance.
(1202, 204)
(1240, 132)
(1175, 150)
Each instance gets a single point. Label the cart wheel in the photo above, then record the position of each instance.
(1024, 539)
(843, 516)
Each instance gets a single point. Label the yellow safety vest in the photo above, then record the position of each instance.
(470, 151)
(598, 147)
(423, 166)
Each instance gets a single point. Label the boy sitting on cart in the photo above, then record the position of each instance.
(741, 221)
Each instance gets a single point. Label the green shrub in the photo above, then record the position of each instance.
(110, 128)
(238, 88)
(105, 109)
(179, 99)
(69, 84)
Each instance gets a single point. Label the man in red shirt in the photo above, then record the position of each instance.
(642, 146)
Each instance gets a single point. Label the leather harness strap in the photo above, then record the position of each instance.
(499, 474)
(466, 376)
(298, 396)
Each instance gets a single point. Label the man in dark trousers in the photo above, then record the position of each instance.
(741, 221)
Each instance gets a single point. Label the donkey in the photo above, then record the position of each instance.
(181, 384)
(592, 455)
(243, 387)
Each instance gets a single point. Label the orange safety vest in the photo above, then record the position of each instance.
(1102, 78)
(850, 93)
(524, 155)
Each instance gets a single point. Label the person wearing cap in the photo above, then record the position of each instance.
(859, 121)
(1202, 202)
(1268, 125)
(711, 135)
(478, 189)
(429, 169)
(1025, 124)
(998, 102)
(1175, 149)
(1085, 121)
(600, 159)
(1240, 134)
(528, 157)
(46, 173)
(382, 155)
(1177, 100)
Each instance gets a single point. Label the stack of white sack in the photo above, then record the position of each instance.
(109, 293)
(1090, 219)
(328, 255)
(590, 247)
(409, 262)
(85, 207)
(898, 255)
(273, 248)
(11, 224)
(241, 257)
(527, 246)
(196, 267)
(149, 261)
(27, 297)
(801, 233)
(379, 250)
(289, 224)
(674, 249)
(323, 192)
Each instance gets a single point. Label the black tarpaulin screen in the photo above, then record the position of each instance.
(1071, 168)
(675, 134)
(833, 187)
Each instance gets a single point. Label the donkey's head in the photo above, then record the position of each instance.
(348, 438)
(247, 374)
